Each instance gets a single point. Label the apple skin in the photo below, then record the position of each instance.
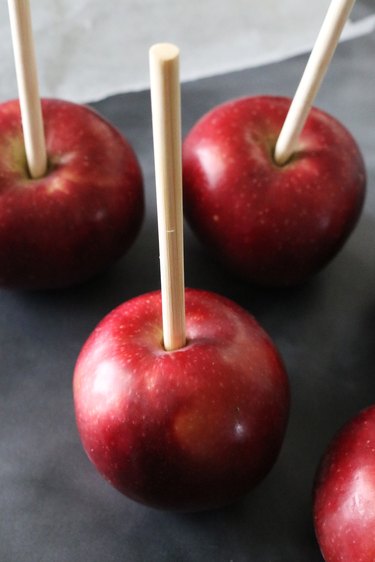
(271, 225)
(65, 227)
(344, 495)
(186, 430)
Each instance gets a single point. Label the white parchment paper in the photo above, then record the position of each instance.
(89, 49)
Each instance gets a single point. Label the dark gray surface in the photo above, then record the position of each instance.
(54, 506)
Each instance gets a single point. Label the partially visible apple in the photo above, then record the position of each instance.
(270, 224)
(189, 429)
(67, 226)
(344, 505)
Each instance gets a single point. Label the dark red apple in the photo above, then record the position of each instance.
(189, 429)
(270, 224)
(344, 506)
(65, 227)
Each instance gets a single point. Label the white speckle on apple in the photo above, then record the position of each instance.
(100, 215)
(66, 158)
(239, 430)
(56, 183)
(151, 383)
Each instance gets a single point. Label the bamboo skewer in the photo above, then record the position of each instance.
(28, 89)
(316, 68)
(166, 122)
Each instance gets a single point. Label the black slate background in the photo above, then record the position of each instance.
(53, 505)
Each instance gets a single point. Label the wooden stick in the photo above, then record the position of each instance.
(28, 90)
(166, 124)
(316, 68)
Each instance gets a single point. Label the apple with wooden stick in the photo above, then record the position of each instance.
(275, 207)
(181, 398)
(344, 494)
(71, 189)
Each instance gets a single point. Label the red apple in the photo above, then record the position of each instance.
(270, 224)
(188, 429)
(344, 506)
(67, 226)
